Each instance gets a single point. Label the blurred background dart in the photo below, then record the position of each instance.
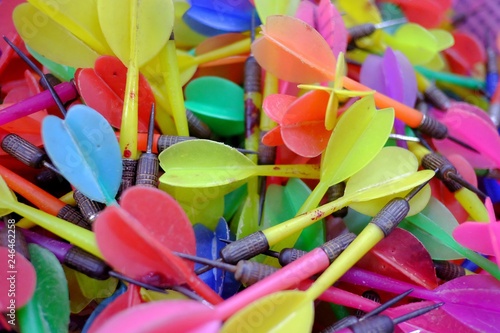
(364, 30)
(494, 108)
(386, 324)
(432, 93)
(148, 164)
(492, 74)
(351, 320)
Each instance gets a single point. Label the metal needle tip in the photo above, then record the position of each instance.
(138, 283)
(417, 313)
(32, 65)
(463, 144)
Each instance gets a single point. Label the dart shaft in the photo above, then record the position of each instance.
(409, 116)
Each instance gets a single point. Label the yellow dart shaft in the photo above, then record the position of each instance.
(78, 236)
(365, 241)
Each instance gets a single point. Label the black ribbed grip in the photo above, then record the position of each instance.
(249, 272)
(86, 263)
(147, 170)
(89, 208)
(437, 97)
(128, 174)
(435, 161)
(391, 215)
(252, 75)
(360, 31)
(375, 324)
(372, 296)
(72, 215)
(433, 128)
(165, 141)
(288, 255)
(24, 150)
(267, 154)
(334, 247)
(447, 271)
(245, 248)
(198, 128)
(333, 193)
(7, 239)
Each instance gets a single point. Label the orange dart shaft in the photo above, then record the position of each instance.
(41, 199)
(409, 116)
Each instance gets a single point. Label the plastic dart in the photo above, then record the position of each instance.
(151, 218)
(364, 30)
(301, 303)
(351, 320)
(492, 75)
(431, 93)
(188, 171)
(312, 69)
(260, 241)
(331, 248)
(84, 149)
(494, 108)
(148, 164)
(32, 65)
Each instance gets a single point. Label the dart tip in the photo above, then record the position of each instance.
(137, 283)
(417, 189)
(467, 185)
(149, 147)
(463, 144)
(386, 305)
(417, 313)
